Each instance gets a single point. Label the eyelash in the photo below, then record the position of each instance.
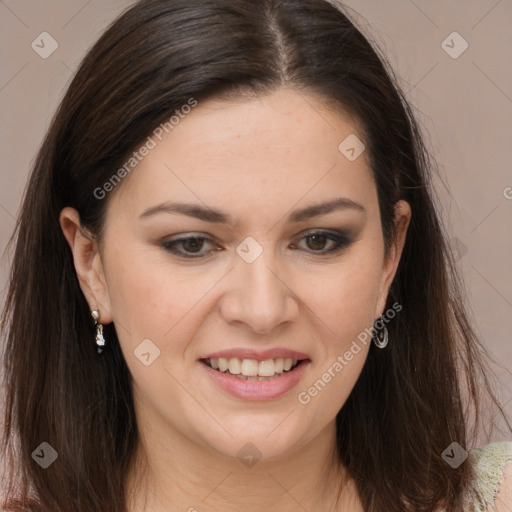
(340, 239)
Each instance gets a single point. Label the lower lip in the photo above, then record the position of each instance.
(257, 389)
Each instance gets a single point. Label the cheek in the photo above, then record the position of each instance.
(344, 297)
(134, 295)
(343, 313)
(153, 299)
(140, 308)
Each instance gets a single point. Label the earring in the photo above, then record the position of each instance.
(382, 337)
(100, 340)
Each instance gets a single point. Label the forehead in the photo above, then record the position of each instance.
(275, 151)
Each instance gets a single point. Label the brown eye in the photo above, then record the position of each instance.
(317, 242)
(193, 244)
(191, 247)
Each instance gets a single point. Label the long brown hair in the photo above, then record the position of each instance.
(407, 406)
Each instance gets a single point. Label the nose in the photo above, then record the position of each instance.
(258, 296)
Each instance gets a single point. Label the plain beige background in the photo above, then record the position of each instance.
(464, 103)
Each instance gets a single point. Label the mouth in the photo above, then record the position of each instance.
(250, 374)
(253, 369)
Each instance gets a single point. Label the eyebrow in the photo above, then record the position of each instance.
(217, 216)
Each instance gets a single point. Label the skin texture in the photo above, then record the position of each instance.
(256, 159)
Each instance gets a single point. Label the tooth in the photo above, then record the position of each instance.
(234, 366)
(223, 364)
(249, 367)
(267, 368)
(252, 367)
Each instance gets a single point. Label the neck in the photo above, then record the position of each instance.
(171, 472)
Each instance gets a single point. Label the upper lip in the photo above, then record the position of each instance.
(260, 355)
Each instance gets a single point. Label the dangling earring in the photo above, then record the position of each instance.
(100, 340)
(382, 337)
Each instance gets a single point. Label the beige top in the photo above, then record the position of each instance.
(494, 479)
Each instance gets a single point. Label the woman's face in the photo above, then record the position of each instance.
(267, 273)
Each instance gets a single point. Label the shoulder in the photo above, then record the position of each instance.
(493, 467)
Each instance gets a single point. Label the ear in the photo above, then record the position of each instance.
(402, 221)
(88, 264)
